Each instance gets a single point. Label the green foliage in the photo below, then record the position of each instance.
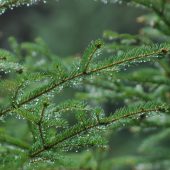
(33, 77)
(5, 4)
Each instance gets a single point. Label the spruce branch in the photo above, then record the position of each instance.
(12, 3)
(89, 54)
(14, 102)
(116, 117)
(39, 123)
(158, 50)
(8, 63)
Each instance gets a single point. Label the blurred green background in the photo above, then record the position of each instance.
(67, 25)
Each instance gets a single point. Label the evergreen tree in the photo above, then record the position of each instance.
(131, 69)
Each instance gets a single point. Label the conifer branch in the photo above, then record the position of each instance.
(41, 134)
(89, 54)
(82, 74)
(39, 123)
(16, 95)
(77, 130)
(42, 113)
(89, 60)
(6, 4)
(12, 3)
(51, 127)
